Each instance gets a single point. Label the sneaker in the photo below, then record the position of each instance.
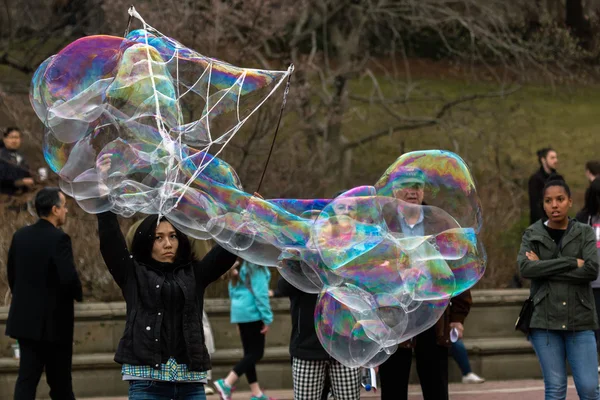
(599, 370)
(208, 389)
(223, 389)
(472, 378)
(261, 397)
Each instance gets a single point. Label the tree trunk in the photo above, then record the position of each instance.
(577, 23)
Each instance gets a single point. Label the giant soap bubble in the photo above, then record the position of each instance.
(385, 259)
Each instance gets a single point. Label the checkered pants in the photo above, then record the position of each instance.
(309, 379)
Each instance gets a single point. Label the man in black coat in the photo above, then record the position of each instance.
(44, 282)
(548, 160)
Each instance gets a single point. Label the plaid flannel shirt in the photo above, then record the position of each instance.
(169, 372)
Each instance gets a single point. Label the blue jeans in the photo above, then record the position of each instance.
(154, 390)
(459, 353)
(553, 348)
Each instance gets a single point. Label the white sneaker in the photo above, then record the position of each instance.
(472, 378)
(208, 390)
(599, 370)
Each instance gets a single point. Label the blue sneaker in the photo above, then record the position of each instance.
(223, 389)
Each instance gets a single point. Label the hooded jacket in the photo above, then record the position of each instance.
(12, 168)
(164, 301)
(250, 295)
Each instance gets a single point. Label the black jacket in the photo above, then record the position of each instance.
(536, 185)
(43, 281)
(304, 343)
(150, 322)
(12, 168)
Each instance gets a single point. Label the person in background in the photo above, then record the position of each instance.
(251, 310)
(560, 258)
(548, 160)
(14, 171)
(410, 217)
(592, 170)
(460, 355)
(590, 215)
(311, 364)
(44, 282)
(210, 346)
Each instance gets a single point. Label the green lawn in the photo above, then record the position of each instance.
(514, 127)
(497, 137)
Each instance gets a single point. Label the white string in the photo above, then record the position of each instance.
(167, 140)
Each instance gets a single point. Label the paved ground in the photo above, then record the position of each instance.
(522, 390)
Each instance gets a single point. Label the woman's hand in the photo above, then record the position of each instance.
(459, 327)
(103, 164)
(580, 263)
(27, 182)
(532, 256)
(264, 329)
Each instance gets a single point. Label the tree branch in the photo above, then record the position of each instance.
(444, 109)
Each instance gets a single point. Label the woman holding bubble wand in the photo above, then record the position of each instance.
(162, 351)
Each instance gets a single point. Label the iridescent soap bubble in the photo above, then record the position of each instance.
(385, 259)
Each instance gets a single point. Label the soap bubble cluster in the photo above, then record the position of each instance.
(385, 259)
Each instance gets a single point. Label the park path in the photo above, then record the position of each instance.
(497, 390)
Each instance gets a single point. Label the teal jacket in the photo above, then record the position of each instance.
(562, 294)
(250, 296)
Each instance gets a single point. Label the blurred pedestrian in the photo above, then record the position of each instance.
(311, 364)
(407, 218)
(460, 355)
(251, 310)
(548, 160)
(560, 257)
(590, 215)
(592, 170)
(14, 171)
(44, 282)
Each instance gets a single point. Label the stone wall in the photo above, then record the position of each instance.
(496, 350)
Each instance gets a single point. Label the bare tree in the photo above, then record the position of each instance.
(356, 81)
(32, 30)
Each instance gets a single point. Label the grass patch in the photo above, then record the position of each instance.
(497, 137)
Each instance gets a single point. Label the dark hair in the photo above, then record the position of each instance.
(236, 279)
(143, 241)
(10, 129)
(7, 132)
(593, 166)
(45, 199)
(557, 182)
(592, 198)
(543, 153)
